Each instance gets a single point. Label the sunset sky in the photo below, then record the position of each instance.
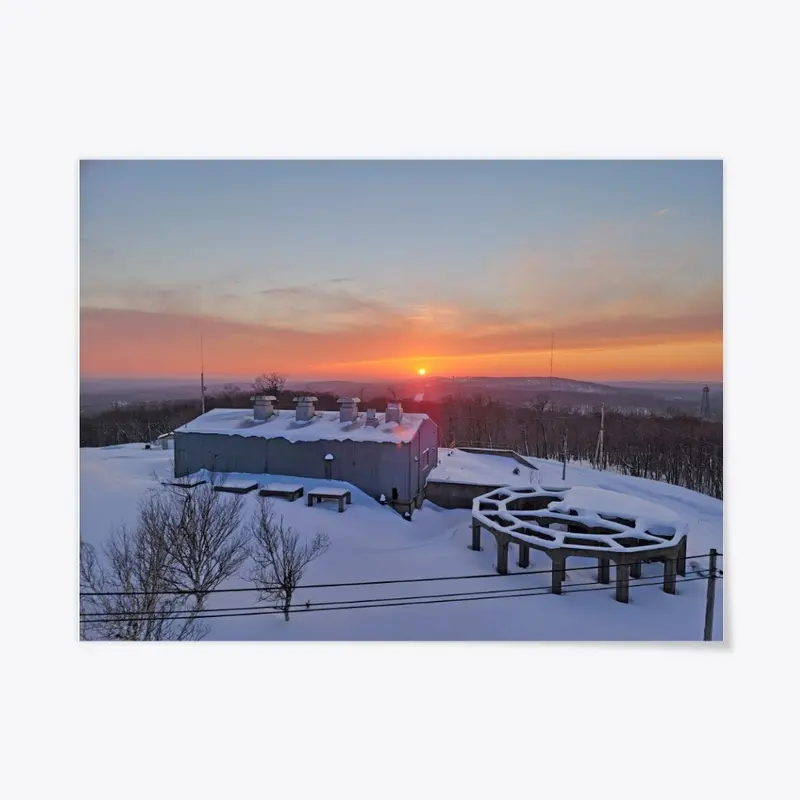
(360, 270)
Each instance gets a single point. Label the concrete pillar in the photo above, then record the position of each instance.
(603, 572)
(681, 566)
(558, 573)
(623, 582)
(476, 536)
(636, 569)
(670, 568)
(502, 556)
(524, 555)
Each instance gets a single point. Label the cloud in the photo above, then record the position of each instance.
(663, 212)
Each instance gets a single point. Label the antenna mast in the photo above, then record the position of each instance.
(552, 343)
(202, 377)
(598, 453)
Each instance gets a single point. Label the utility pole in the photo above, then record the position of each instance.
(712, 577)
(598, 453)
(552, 343)
(564, 464)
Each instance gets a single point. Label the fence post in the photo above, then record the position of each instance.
(712, 577)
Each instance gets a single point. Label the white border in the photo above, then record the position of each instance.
(98, 79)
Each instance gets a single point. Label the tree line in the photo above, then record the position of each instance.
(674, 447)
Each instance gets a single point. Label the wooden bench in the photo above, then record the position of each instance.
(236, 487)
(291, 491)
(321, 493)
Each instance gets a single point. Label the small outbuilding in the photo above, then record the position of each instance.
(388, 454)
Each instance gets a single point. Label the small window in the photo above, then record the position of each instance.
(426, 457)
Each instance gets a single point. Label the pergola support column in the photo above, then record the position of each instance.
(670, 568)
(502, 556)
(524, 555)
(603, 571)
(476, 535)
(681, 566)
(636, 569)
(558, 573)
(623, 582)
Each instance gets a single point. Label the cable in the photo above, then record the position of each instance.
(303, 609)
(357, 583)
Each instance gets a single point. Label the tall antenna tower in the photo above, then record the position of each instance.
(705, 404)
(552, 344)
(202, 378)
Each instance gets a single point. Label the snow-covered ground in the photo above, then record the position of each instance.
(371, 542)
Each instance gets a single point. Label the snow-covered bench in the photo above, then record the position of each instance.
(291, 491)
(236, 487)
(326, 493)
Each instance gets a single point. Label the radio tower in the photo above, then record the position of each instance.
(552, 343)
(705, 405)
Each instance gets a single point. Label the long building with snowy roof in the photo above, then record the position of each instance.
(388, 453)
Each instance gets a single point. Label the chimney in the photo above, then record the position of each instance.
(394, 412)
(305, 408)
(372, 418)
(262, 407)
(348, 408)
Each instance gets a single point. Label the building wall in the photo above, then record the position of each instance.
(195, 451)
(374, 467)
(447, 494)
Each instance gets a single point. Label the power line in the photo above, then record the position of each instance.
(534, 589)
(382, 604)
(353, 583)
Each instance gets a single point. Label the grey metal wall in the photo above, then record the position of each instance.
(220, 452)
(374, 467)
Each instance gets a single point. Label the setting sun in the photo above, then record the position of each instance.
(422, 371)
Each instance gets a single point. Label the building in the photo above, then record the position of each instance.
(390, 453)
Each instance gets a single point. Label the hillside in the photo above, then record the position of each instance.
(371, 542)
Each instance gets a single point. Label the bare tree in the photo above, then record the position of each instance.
(279, 558)
(129, 597)
(269, 383)
(203, 536)
(229, 393)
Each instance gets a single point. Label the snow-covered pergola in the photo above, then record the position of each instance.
(586, 522)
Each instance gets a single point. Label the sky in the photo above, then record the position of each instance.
(377, 269)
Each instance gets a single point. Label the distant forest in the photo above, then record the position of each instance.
(674, 447)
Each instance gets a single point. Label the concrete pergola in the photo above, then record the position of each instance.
(548, 520)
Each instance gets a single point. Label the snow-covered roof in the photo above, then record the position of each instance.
(324, 425)
(483, 469)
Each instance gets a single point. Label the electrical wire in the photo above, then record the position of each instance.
(356, 583)
(380, 604)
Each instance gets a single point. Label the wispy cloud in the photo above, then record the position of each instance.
(663, 212)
